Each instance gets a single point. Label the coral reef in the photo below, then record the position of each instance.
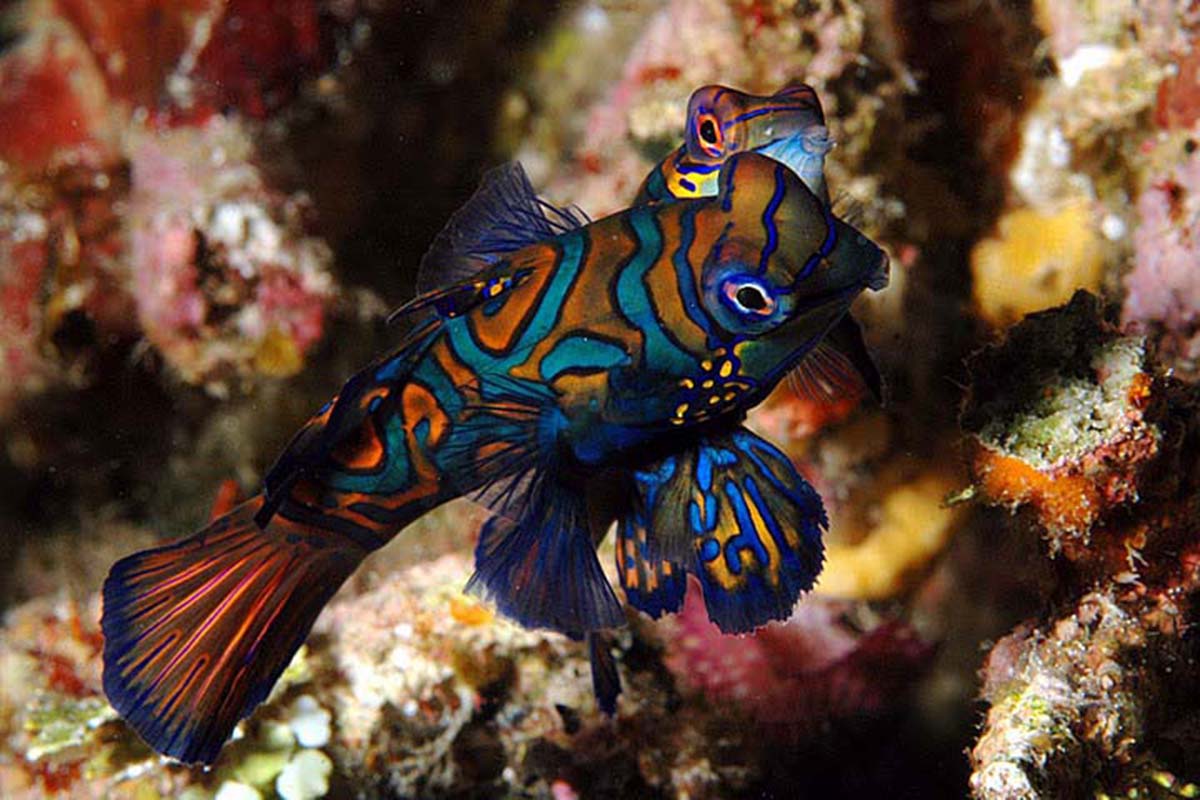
(1058, 417)
(124, 192)
(1070, 419)
(202, 203)
(818, 669)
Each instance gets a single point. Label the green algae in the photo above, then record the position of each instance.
(1072, 414)
(57, 723)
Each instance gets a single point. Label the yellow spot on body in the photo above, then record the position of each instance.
(687, 383)
(676, 421)
(706, 365)
(726, 369)
(730, 397)
(683, 407)
(708, 384)
(712, 401)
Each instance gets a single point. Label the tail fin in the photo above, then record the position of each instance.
(197, 632)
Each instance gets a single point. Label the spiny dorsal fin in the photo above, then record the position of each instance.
(504, 215)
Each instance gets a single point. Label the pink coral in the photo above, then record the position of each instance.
(224, 275)
(1164, 286)
(23, 249)
(115, 172)
(53, 103)
(800, 675)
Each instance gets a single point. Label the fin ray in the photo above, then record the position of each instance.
(504, 215)
(756, 529)
(541, 569)
(197, 632)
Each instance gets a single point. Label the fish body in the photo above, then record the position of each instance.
(631, 346)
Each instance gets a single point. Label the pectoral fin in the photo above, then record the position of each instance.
(839, 367)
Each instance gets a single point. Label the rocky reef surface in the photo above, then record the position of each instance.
(206, 210)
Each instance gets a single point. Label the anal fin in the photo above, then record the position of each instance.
(540, 569)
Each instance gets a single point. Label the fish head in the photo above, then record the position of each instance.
(783, 269)
(722, 122)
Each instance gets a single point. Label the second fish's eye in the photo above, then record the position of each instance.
(708, 131)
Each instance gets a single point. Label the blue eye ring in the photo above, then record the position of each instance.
(748, 297)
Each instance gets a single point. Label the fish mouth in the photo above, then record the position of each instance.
(802, 151)
(829, 297)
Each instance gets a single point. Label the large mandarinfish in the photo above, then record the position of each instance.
(558, 360)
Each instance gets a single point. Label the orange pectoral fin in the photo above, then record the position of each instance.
(197, 632)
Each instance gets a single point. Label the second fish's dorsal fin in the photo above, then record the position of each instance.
(504, 215)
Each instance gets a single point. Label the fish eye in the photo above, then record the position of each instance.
(708, 134)
(752, 297)
(749, 297)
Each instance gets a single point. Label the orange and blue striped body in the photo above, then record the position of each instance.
(625, 351)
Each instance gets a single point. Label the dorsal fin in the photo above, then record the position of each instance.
(503, 215)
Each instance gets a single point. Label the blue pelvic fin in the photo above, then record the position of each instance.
(756, 528)
(535, 559)
(606, 680)
(652, 584)
(504, 215)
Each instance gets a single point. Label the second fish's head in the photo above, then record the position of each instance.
(722, 122)
(783, 269)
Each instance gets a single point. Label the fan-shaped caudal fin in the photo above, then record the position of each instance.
(197, 632)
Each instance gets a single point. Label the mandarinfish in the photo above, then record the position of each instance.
(559, 360)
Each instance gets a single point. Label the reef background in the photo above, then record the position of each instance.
(207, 209)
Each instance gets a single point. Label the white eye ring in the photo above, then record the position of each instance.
(749, 297)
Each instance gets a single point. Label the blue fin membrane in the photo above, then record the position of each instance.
(504, 215)
(197, 632)
(756, 528)
(804, 154)
(541, 569)
(653, 584)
